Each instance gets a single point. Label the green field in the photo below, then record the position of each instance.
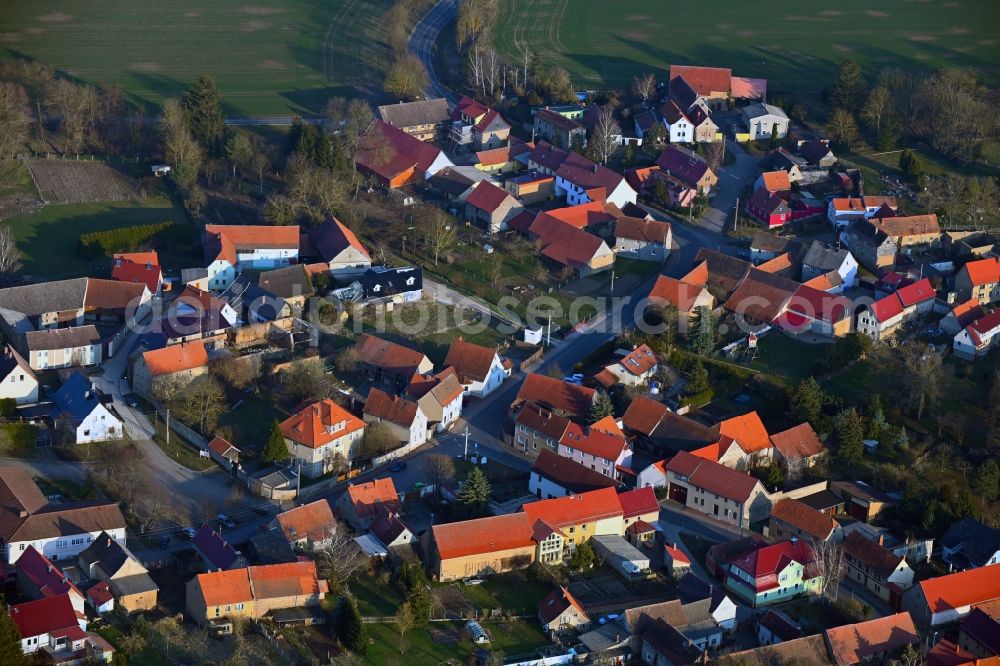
(276, 58)
(796, 45)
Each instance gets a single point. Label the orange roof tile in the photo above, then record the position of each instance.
(644, 414)
(912, 225)
(855, 643)
(293, 579)
(176, 358)
(983, 271)
(393, 409)
(484, 535)
(776, 181)
(697, 275)
(366, 496)
(709, 452)
(225, 240)
(494, 157)
(748, 431)
(313, 521)
(388, 355)
(471, 362)
(596, 443)
(962, 588)
(804, 517)
(800, 441)
(556, 603)
(576, 509)
(320, 423)
(682, 295)
(487, 196)
(968, 312)
(608, 425)
(782, 262)
(583, 215)
(639, 361)
(221, 588)
(704, 80)
(555, 394)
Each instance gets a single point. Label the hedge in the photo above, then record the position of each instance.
(123, 239)
(699, 399)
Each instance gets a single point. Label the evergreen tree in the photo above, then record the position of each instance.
(275, 450)
(475, 493)
(911, 164)
(703, 339)
(848, 90)
(775, 477)
(986, 480)
(775, 139)
(697, 379)
(807, 402)
(877, 424)
(352, 632)
(601, 407)
(202, 106)
(849, 430)
(10, 639)
(413, 584)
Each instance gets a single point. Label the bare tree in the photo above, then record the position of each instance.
(339, 560)
(350, 119)
(526, 60)
(378, 440)
(475, 68)
(491, 71)
(439, 468)
(10, 255)
(604, 141)
(876, 108)
(828, 559)
(407, 78)
(440, 236)
(76, 107)
(14, 119)
(404, 622)
(715, 155)
(644, 87)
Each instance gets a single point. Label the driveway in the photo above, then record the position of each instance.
(732, 180)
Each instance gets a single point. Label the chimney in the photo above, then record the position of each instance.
(49, 568)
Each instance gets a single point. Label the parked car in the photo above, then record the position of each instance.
(398, 467)
(189, 532)
(226, 520)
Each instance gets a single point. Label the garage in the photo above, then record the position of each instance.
(679, 493)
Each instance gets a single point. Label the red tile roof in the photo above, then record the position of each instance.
(643, 415)
(113, 295)
(593, 442)
(221, 447)
(484, 535)
(761, 296)
(366, 497)
(313, 521)
(564, 243)
(765, 563)
(814, 523)
(962, 589)
(713, 477)
(639, 361)
(917, 292)
(557, 602)
(649, 231)
(541, 420)
(568, 473)
(494, 157)
(638, 502)
(911, 225)
(487, 196)
(44, 576)
(819, 305)
(393, 409)
(856, 643)
(573, 510)
(44, 616)
(140, 267)
(223, 241)
(556, 394)
(583, 215)
(676, 554)
(309, 426)
(748, 431)
(704, 80)
(981, 329)
(776, 181)
(333, 237)
(471, 362)
(176, 358)
(983, 271)
(800, 441)
(388, 355)
(100, 594)
(870, 553)
(886, 308)
(968, 312)
(387, 152)
(681, 295)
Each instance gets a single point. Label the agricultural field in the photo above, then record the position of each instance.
(796, 45)
(281, 58)
(71, 181)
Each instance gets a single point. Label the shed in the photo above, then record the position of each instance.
(627, 561)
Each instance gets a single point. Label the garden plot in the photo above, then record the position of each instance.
(66, 181)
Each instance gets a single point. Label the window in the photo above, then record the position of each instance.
(239, 607)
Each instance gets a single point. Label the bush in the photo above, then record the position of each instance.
(8, 407)
(123, 239)
(698, 399)
(18, 439)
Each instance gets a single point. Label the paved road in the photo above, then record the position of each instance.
(423, 41)
(732, 180)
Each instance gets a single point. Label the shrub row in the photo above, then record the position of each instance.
(123, 239)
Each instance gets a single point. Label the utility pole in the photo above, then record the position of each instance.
(168, 426)
(298, 477)
(736, 216)
(465, 456)
(612, 280)
(548, 335)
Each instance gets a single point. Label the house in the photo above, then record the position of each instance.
(479, 369)
(321, 437)
(39, 578)
(947, 599)
(116, 302)
(776, 627)
(224, 453)
(559, 611)
(771, 210)
(960, 316)
(403, 418)
(171, 367)
(749, 433)
(490, 207)
(712, 84)
(978, 338)
(600, 450)
(861, 501)
(391, 531)
(47, 304)
(649, 240)
(810, 649)
(402, 284)
(821, 259)
(780, 159)
(425, 119)
(886, 574)
(774, 573)
(632, 369)
(483, 546)
(389, 364)
(720, 273)
(252, 592)
(496, 161)
(979, 279)
(231, 249)
(640, 513)
(688, 168)
(341, 250)
(553, 475)
(308, 527)
(569, 248)
(969, 544)
(792, 518)
(535, 428)
(766, 246)
(880, 319)
(108, 560)
(138, 267)
(843, 210)
(194, 315)
(53, 348)
(818, 312)
(439, 398)
(705, 129)
(215, 551)
(764, 120)
(478, 126)
(912, 232)
(291, 284)
(579, 517)
(798, 447)
(531, 188)
(395, 159)
(873, 247)
(761, 297)
(255, 304)
(81, 414)
(683, 296)
(716, 490)
(979, 633)
(578, 179)
(450, 183)
(562, 398)
(874, 641)
(363, 503)
(673, 632)
(17, 379)
(676, 561)
(53, 627)
(679, 127)
(773, 182)
(558, 129)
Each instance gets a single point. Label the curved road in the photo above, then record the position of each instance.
(423, 41)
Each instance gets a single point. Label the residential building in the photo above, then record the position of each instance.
(675, 561)
(567, 247)
(960, 316)
(109, 561)
(798, 447)
(872, 247)
(780, 159)
(673, 632)
(322, 437)
(395, 159)
(558, 129)
(761, 297)
(559, 611)
(716, 490)
(821, 259)
(880, 319)
(57, 531)
(138, 267)
(231, 249)
(439, 398)
(477, 126)
(363, 503)
(607, 452)
(341, 250)
(39, 578)
(911, 233)
(792, 518)
(648, 240)
(390, 285)
(771, 210)
(112, 301)
(579, 517)
(536, 429)
(969, 544)
(886, 574)
(553, 475)
(53, 348)
(861, 501)
(253, 592)
(978, 338)
(713, 85)
(810, 649)
(578, 179)
(81, 414)
(979, 633)
(688, 168)
(947, 599)
(484, 546)
(389, 364)
(874, 641)
(683, 296)
(424, 119)
(291, 285)
(811, 310)
(308, 527)
(818, 153)
(479, 369)
(765, 120)
(679, 127)
(224, 453)
(172, 367)
(562, 398)
(496, 161)
(979, 279)
(403, 418)
(17, 379)
(720, 273)
(632, 369)
(774, 573)
(47, 304)
(52, 627)
(843, 210)
(776, 627)
(490, 207)
(215, 551)
(391, 531)
(773, 182)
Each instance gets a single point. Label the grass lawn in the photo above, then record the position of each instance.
(49, 239)
(514, 592)
(180, 450)
(251, 421)
(796, 45)
(277, 58)
(791, 359)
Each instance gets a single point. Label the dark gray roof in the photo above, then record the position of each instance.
(824, 258)
(135, 584)
(287, 282)
(106, 553)
(271, 547)
(10, 360)
(976, 541)
(62, 338)
(192, 274)
(764, 241)
(450, 181)
(814, 151)
(824, 500)
(36, 299)
(867, 232)
(248, 299)
(411, 114)
(691, 588)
